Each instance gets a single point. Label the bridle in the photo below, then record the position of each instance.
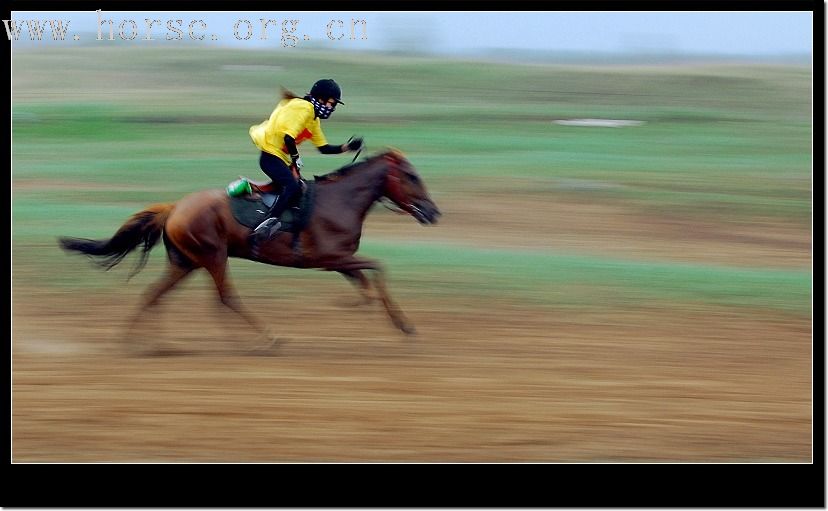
(393, 190)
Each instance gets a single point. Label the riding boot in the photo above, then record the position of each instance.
(265, 230)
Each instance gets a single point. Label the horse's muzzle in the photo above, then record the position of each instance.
(425, 212)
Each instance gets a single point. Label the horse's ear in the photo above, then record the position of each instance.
(395, 154)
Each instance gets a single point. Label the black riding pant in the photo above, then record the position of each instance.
(280, 173)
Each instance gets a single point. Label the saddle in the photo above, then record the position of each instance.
(250, 201)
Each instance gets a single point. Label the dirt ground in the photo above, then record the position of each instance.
(487, 379)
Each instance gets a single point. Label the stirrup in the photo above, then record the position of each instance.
(265, 225)
(265, 231)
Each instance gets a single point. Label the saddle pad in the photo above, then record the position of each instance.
(250, 210)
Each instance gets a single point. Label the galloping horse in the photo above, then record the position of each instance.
(200, 231)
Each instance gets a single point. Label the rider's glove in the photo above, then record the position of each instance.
(355, 144)
(297, 161)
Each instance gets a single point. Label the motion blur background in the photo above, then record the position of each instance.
(622, 272)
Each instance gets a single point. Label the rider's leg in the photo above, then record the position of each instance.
(280, 173)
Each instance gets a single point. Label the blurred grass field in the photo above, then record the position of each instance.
(99, 133)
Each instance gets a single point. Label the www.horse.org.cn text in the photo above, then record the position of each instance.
(288, 32)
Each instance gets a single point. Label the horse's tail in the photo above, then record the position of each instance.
(143, 227)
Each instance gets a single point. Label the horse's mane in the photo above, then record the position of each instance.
(347, 169)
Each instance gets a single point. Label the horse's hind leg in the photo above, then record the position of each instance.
(363, 285)
(175, 273)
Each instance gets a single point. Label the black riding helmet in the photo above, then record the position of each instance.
(326, 89)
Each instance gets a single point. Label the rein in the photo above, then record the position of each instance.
(393, 188)
(358, 152)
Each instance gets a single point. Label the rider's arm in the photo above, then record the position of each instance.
(353, 144)
(333, 149)
(290, 143)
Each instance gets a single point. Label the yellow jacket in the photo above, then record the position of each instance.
(294, 117)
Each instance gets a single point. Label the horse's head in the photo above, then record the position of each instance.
(404, 188)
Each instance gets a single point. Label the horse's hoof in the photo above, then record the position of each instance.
(274, 343)
(159, 352)
(358, 302)
(270, 342)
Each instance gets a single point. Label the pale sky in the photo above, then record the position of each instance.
(733, 33)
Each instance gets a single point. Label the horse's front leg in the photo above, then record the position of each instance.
(363, 285)
(217, 267)
(354, 264)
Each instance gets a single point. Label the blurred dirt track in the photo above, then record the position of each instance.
(486, 380)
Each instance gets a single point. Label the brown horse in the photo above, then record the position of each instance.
(201, 232)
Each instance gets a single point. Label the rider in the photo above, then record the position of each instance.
(293, 121)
